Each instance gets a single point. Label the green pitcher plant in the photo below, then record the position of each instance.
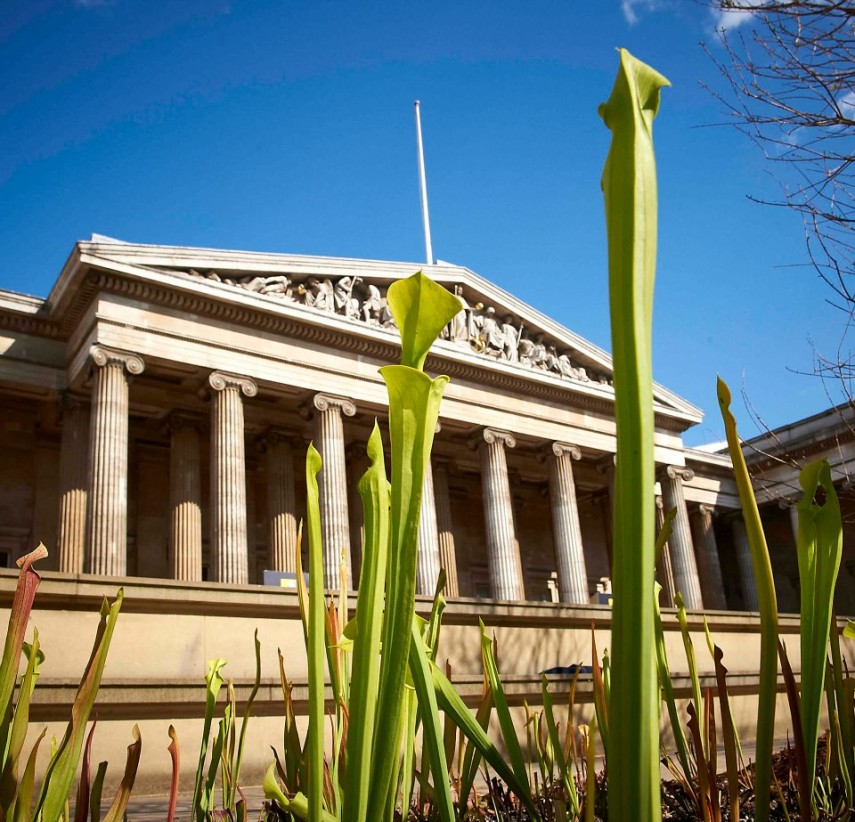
(629, 190)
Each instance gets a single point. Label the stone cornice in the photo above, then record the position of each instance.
(30, 324)
(540, 385)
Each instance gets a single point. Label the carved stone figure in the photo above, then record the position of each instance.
(345, 302)
(526, 350)
(458, 328)
(372, 305)
(491, 335)
(475, 327)
(512, 336)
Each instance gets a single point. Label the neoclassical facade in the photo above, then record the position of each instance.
(157, 405)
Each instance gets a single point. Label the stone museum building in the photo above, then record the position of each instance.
(157, 405)
(155, 410)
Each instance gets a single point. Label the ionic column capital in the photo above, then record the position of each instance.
(679, 472)
(220, 381)
(492, 436)
(327, 402)
(101, 356)
(706, 510)
(565, 449)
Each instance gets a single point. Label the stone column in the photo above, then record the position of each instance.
(281, 502)
(664, 569)
(569, 555)
(332, 481)
(686, 581)
(185, 497)
(794, 519)
(252, 572)
(607, 505)
(712, 583)
(73, 485)
(357, 464)
(429, 561)
(107, 512)
(506, 581)
(746, 568)
(445, 530)
(229, 560)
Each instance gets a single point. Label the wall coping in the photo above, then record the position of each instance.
(84, 592)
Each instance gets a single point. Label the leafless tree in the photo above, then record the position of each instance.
(790, 72)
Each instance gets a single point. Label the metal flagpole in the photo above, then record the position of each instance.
(423, 188)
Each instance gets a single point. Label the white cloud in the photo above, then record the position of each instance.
(632, 8)
(733, 18)
(846, 104)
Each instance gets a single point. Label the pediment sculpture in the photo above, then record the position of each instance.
(484, 330)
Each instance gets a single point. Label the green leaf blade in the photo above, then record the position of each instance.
(629, 190)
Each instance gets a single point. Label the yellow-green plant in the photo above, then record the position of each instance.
(389, 649)
(820, 548)
(629, 189)
(17, 788)
(762, 567)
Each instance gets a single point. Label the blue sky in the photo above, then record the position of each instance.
(284, 126)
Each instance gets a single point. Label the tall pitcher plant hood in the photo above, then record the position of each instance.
(629, 190)
(421, 309)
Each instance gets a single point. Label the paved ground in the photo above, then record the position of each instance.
(153, 808)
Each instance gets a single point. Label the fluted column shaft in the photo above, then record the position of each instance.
(445, 529)
(569, 554)
(107, 505)
(664, 569)
(357, 464)
(794, 521)
(73, 487)
(229, 559)
(746, 568)
(685, 567)
(429, 561)
(506, 581)
(185, 498)
(332, 483)
(281, 504)
(712, 582)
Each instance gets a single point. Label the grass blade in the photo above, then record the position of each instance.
(213, 683)
(120, 803)
(432, 730)
(175, 756)
(449, 701)
(820, 548)
(19, 616)
(61, 770)
(728, 733)
(374, 491)
(765, 583)
(315, 632)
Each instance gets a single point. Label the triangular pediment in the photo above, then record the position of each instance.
(494, 329)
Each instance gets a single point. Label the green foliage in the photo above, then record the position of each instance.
(820, 547)
(629, 189)
(765, 582)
